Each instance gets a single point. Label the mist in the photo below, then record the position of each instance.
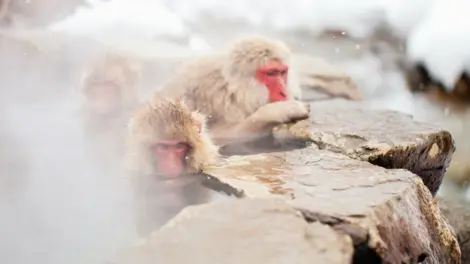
(58, 204)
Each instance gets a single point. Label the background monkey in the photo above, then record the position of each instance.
(167, 146)
(109, 86)
(244, 92)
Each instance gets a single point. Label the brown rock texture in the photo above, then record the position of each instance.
(458, 215)
(250, 231)
(389, 214)
(385, 138)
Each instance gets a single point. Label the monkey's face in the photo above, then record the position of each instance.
(274, 76)
(167, 140)
(103, 97)
(170, 157)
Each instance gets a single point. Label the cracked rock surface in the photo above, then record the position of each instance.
(385, 138)
(389, 211)
(249, 231)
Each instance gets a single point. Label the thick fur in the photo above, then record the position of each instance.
(165, 119)
(223, 86)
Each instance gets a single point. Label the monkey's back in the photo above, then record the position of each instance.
(201, 85)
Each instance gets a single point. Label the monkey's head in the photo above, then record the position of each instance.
(166, 139)
(110, 83)
(259, 65)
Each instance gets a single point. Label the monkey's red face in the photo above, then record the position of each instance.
(170, 157)
(103, 97)
(274, 77)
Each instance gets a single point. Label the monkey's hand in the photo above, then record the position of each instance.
(261, 123)
(281, 112)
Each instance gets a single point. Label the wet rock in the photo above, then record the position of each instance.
(321, 80)
(458, 215)
(389, 214)
(385, 138)
(241, 231)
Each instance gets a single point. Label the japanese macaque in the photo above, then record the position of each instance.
(244, 92)
(109, 87)
(168, 146)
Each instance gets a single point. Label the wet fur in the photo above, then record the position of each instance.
(223, 86)
(165, 119)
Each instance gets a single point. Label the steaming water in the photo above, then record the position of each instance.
(66, 210)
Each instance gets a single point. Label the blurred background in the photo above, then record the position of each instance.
(411, 56)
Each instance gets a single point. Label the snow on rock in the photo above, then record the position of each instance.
(442, 40)
(131, 19)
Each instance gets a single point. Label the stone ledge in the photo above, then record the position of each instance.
(385, 138)
(390, 211)
(250, 231)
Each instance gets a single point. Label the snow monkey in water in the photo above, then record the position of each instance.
(109, 86)
(168, 146)
(244, 92)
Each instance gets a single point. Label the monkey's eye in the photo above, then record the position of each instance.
(181, 146)
(272, 73)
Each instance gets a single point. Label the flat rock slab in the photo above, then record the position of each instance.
(390, 212)
(249, 231)
(385, 138)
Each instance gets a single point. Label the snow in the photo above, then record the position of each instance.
(436, 30)
(442, 39)
(136, 18)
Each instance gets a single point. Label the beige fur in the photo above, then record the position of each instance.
(165, 119)
(223, 86)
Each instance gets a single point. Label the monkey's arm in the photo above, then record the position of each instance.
(248, 130)
(261, 123)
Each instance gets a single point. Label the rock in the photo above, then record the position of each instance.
(456, 98)
(458, 215)
(322, 80)
(388, 212)
(385, 138)
(241, 231)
